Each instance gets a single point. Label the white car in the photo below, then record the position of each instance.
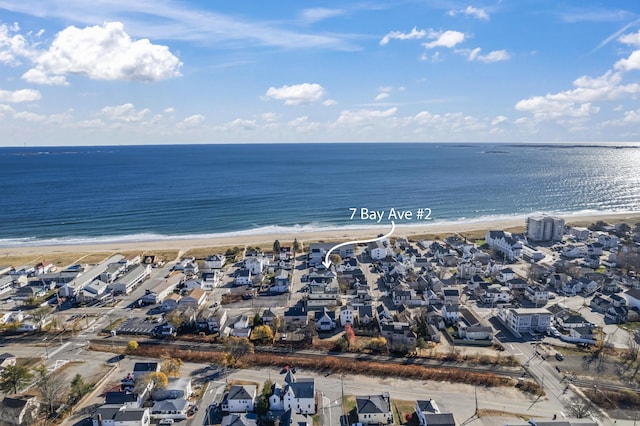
(166, 422)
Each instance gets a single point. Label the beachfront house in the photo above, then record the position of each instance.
(374, 409)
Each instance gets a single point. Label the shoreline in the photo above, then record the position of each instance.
(304, 237)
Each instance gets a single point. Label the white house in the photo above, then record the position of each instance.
(195, 299)
(347, 313)
(524, 320)
(240, 398)
(243, 277)
(215, 261)
(175, 409)
(110, 415)
(325, 320)
(537, 294)
(429, 414)
(504, 243)
(132, 278)
(374, 409)
(299, 396)
(256, 264)
(633, 297)
(378, 250)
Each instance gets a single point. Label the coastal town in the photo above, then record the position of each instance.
(535, 326)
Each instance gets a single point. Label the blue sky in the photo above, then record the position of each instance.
(162, 71)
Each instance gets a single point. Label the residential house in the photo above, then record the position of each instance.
(132, 278)
(6, 284)
(318, 251)
(450, 313)
(240, 398)
(429, 414)
(113, 415)
(517, 284)
(398, 335)
(569, 320)
(28, 292)
(195, 299)
(321, 296)
(256, 264)
(525, 320)
(142, 368)
(374, 409)
(378, 250)
(112, 272)
(281, 283)
(494, 294)
(210, 279)
(325, 320)
(213, 321)
(383, 314)
(571, 288)
(295, 317)
(170, 302)
(7, 360)
(239, 419)
(215, 261)
(268, 317)
(297, 395)
(19, 410)
(175, 409)
(451, 295)
(347, 314)
(537, 294)
(505, 275)
(579, 233)
(589, 286)
(633, 297)
(123, 399)
(364, 315)
(242, 277)
(177, 387)
(504, 243)
(95, 290)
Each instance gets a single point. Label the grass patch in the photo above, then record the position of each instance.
(114, 324)
(402, 410)
(349, 408)
(630, 326)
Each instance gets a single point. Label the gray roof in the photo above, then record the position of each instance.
(237, 420)
(179, 404)
(145, 366)
(303, 388)
(440, 419)
(119, 397)
(130, 414)
(241, 392)
(373, 404)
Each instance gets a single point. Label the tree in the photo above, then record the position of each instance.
(78, 388)
(578, 407)
(378, 344)
(262, 333)
(174, 318)
(52, 388)
(335, 258)
(296, 246)
(598, 226)
(237, 348)
(349, 336)
(276, 324)
(262, 405)
(132, 346)
(257, 320)
(13, 378)
(276, 248)
(40, 314)
(171, 366)
(152, 381)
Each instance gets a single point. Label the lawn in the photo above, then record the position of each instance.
(401, 409)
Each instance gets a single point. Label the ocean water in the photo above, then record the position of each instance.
(133, 193)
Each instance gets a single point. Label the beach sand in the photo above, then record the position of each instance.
(472, 230)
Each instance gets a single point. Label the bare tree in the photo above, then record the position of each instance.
(236, 348)
(52, 389)
(578, 407)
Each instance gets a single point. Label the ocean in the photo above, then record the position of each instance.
(71, 195)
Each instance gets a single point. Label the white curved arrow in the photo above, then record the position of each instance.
(327, 262)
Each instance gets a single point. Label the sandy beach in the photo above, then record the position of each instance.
(472, 230)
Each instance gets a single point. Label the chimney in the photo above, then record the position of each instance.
(99, 419)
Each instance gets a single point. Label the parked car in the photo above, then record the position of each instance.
(559, 356)
(166, 422)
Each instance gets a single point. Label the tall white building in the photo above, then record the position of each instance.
(545, 228)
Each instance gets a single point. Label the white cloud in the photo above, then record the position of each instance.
(319, 14)
(414, 34)
(29, 116)
(498, 120)
(12, 46)
(126, 113)
(382, 96)
(632, 39)
(17, 96)
(103, 53)
(297, 94)
(6, 110)
(493, 56)
(192, 121)
(447, 39)
(240, 124)
(303, 125)
(330, 102)
(38, 76)
(270, 116)
(364, 116)
(577, 102)
(471, 11)
(629, 64)
(169, 110)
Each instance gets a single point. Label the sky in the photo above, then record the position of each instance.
(115, 72)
